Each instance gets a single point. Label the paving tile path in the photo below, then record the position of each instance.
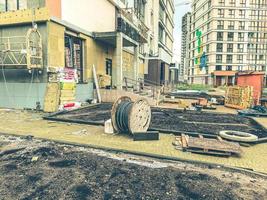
(27, 123)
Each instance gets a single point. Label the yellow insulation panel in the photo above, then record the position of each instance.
(24, 16)
(128, 64)
(56, 47)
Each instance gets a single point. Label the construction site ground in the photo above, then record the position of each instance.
(24, 123)
(37, 169)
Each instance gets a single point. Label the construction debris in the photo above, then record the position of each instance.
(208, 146)
(239, 97)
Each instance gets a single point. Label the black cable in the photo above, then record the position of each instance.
(122, 116)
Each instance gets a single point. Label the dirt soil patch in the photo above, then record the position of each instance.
(174, 120)
(67, 172)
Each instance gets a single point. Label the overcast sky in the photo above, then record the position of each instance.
(179, 12)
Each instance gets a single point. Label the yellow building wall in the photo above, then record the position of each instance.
(95, 54)
(56, 45)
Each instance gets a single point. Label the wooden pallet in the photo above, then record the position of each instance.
(209, 146)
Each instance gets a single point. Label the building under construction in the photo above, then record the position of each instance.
(46, 46)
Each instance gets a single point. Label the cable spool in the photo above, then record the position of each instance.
(131, 117)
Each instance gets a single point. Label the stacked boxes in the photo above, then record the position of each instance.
(67, 92)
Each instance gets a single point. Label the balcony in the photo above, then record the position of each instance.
(129, 24)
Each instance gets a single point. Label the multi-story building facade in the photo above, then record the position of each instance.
(161, 40)
(184, 67)
(227, 36)
(116, 36)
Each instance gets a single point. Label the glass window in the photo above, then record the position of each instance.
(230, 48)
(220, 47)
(220, 36)
(230, 36)
(2, 5)
(12, 5)
(22, 4)
(219, 58)
(218, 68)
(240, 58)
(229, 58)
(229, 68)
(220, 24)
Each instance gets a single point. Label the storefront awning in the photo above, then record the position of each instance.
(224, 73)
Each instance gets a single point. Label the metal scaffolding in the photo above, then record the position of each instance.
(22, 51)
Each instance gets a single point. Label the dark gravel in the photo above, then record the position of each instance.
(175, 120)
(72, 174)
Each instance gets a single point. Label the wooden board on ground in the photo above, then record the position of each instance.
(209, 146)
(52, 95)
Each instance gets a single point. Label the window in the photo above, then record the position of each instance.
(242, 13)
(230, 48)
(220, 36)
(219, 47)
(221, 2)
(232, 2)
(220, 25)
(243, 3)
(230, 36)
(231, 25)
(250, 46)
(240, 58)
(2, 5)
(220, 12)
(229, 58)
(9, 5)
(250, 35)
(208, 48)
(231, 13)
(161, 34)
(218, 58)
(139, 7)
(74, 55)
(240, 48)
(241, 37)
(218, 68)
(261, 57)
(208, 26)
(241, 25)
(229, 68)
(22, 4)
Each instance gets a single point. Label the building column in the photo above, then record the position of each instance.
(117, 76)
(136, 62)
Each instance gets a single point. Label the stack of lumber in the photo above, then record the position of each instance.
(239, 97)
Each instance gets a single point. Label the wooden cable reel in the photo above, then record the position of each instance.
(131, 117)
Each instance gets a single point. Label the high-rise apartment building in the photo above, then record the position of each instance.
(227, 36)
(161, 39)
(184, 67)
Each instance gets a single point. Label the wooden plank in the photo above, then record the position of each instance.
(96, 84)
(209, 152)
(214, 145)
